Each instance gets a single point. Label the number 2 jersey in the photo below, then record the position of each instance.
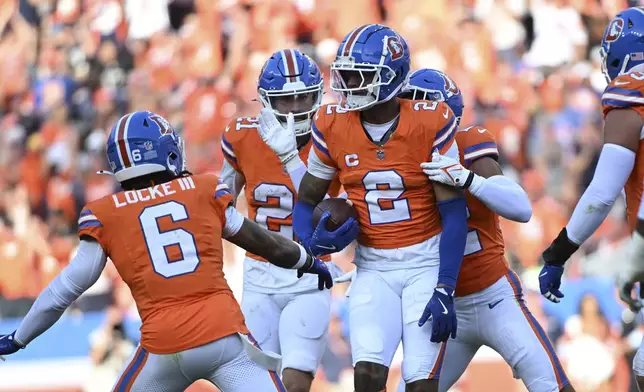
(393, 197)
(166, 243)
(484, 261)
(627, 91)
(270, 195)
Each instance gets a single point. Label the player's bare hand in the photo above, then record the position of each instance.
(445, 170)
(280, 139)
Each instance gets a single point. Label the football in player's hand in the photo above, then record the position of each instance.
(340, 210)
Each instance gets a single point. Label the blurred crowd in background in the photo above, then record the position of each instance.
(529, 71)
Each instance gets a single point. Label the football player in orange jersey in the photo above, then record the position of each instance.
(163, 233)
(265, 154)
(412, 232)
(489, 301)
(620, 165)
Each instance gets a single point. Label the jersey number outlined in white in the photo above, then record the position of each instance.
(158, 241)
(379, 215)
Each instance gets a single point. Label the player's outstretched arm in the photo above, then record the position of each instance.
(499, 193)
(81, 273)
(484, 179)
(616, 161)
(277, 250)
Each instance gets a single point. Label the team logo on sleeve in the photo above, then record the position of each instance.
(395, 47)
(614, 30)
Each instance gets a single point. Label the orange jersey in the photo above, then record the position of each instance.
(395, 202)
(165, 242)
(484, 262)
(269, 190)
(627, 91)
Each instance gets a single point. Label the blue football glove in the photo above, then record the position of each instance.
(440, 309)
(554, 258)
(8, 344)
(550, 281)
(324, 242)
(317, 267)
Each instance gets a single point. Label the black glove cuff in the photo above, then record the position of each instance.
(468, 182)
(560, 250)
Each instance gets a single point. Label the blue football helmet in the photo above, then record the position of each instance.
(623, 43)
(434, 85)
(371, 66)
(142, 143)
(291, 81)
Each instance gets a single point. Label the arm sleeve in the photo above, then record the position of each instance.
(451, 246)
(613, 169)
(229, 176)
(303, 222)
(81, 273)
(234, 222)
(296, 170)
(503, 196)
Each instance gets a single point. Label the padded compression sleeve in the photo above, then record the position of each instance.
(613, 169)
(81, 273)
(453, 239)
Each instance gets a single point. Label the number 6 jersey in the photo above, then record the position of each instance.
(165, 242)
(394, 199)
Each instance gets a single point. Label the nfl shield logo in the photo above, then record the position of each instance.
(148, 145)
(614, 30)
(380, 154)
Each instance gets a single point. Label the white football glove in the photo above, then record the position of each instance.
(281, 140)
(446, 170)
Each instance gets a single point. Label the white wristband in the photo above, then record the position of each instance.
(293, 163)
(303, 257)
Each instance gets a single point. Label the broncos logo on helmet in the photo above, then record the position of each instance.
(395, 48)
(143, 143)
(614, 29)
(370, 67)
(622, 42)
